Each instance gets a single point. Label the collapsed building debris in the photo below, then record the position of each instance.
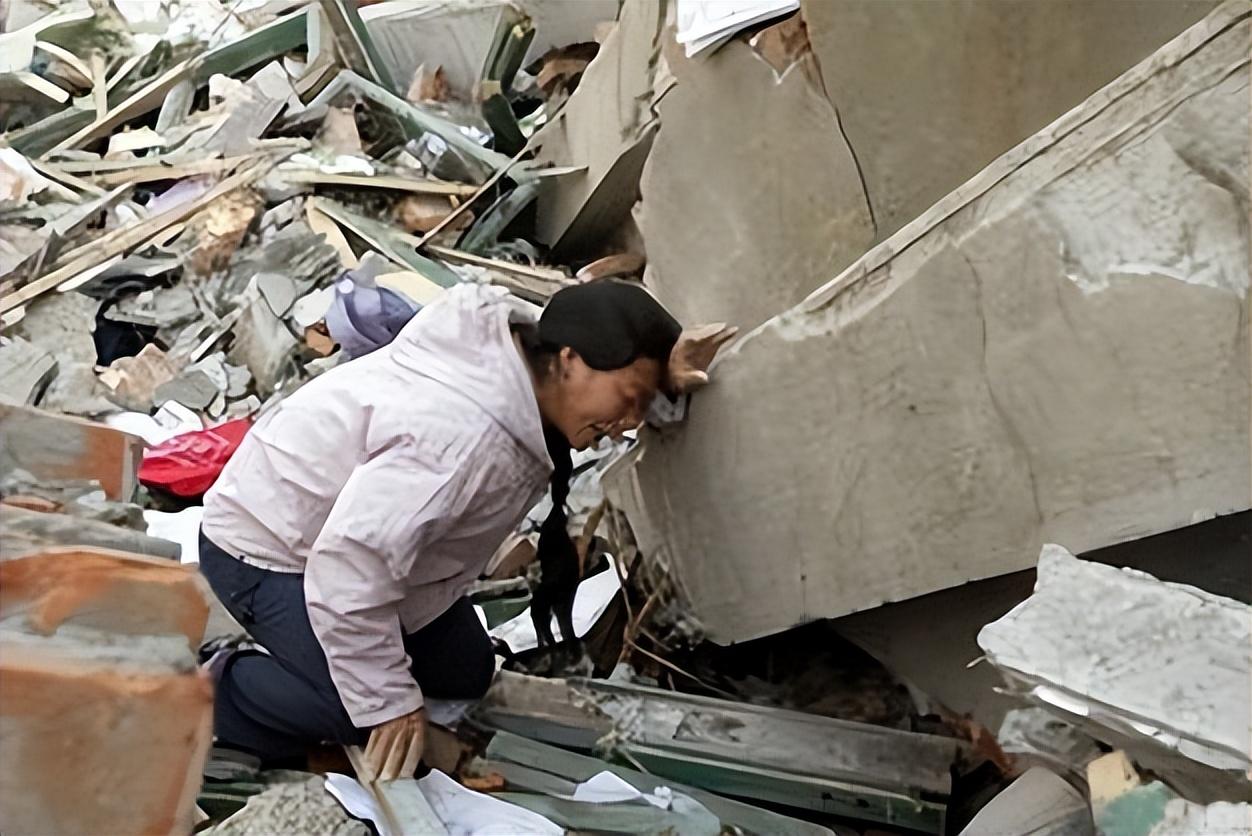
(773, 755)
(205, 204)
(1158, 669)
(969, 410)
(97, 665)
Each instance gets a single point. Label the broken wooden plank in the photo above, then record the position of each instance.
(26, 86)
(126, 238)
(380, 181)
(64, 67)
(99, 82)
(356, 47)
(389, 241)
(148, 97)
(54, 172)
(150, 169)
(401, 802)
(51, 446)
(534, 284)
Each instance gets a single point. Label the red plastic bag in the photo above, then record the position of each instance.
(187, 465)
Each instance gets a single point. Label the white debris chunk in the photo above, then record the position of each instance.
(1158, 661)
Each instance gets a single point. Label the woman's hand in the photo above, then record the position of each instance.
(395, 747)
(690, 358)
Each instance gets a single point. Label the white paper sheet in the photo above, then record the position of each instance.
(703, 24)
(462, 811)
(607, 788)
(468, 813)
(357, 801)
(170, 420)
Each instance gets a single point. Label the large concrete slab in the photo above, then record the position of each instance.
(1055, 352)
(751, 196)
(928, 93)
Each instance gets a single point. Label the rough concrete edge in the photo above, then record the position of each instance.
(1167, 57)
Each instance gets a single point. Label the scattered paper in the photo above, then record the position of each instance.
(703, 24)
(607, 788)
(462, 812)
(357, 801)
(170, 420)
(465, 812)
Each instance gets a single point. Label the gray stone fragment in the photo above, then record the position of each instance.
(25, 371)
(193, 389)
(299, 804)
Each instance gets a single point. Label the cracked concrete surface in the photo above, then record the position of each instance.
(1055, 352)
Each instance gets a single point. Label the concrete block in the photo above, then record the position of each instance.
(1055, 352)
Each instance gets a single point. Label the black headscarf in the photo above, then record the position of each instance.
(609, 323)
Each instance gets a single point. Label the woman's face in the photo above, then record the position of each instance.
(593, 404)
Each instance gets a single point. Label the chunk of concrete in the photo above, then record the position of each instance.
(51, 446)
(25, 371)
(297, 804)
(929, 93)
(1166, 665)
(105, 719)
(1057, 351)
(27, 532)
(751, 196)
(604, 131)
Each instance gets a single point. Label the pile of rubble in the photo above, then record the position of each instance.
(206, 203)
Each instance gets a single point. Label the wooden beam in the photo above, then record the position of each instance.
(128, 237)
(146, 98)
(380, 181)
(404, 809)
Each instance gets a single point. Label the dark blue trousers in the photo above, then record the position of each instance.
(277, 705)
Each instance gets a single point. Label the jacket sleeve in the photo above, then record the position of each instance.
(390, 507)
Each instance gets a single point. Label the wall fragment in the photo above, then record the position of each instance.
(751, 197)
(929, 93)
(958, 397)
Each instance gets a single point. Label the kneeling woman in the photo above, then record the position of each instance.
(346, 529)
